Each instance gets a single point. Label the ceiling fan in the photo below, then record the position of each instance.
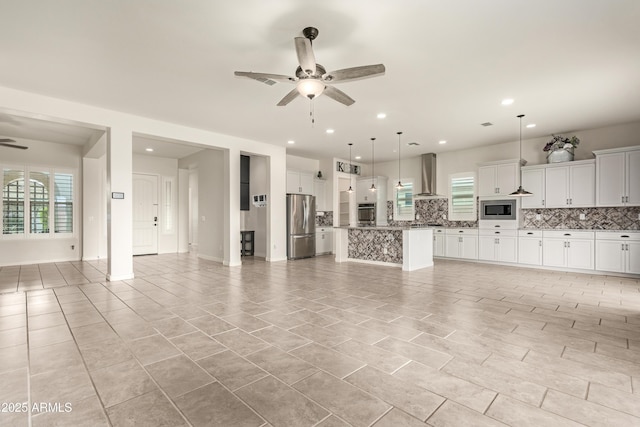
(311, 78)
(6, 142)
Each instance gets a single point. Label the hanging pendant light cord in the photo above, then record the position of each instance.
(373, 167)
(399, 179)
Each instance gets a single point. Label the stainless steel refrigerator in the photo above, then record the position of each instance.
(301, 226)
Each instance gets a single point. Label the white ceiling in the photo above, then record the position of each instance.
(569, 65)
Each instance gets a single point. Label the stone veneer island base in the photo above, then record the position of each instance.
(411, 249)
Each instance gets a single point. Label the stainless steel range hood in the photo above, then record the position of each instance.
(428, 175)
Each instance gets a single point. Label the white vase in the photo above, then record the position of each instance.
(559, 156)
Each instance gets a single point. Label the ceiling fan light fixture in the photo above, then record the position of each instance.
(310, 88)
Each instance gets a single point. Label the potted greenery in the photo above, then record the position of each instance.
(561, 148)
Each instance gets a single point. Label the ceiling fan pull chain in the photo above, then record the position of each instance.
(312, 113)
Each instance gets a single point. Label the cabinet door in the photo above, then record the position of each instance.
(582, 179)
(319, 191)
(556, 187)
(487, 248)
(530, 251)
(438, 245)
(633, 257)
(633, 178)
(469, 247)
(580, 254)
(293, 182)
(507, 178)
(487, 181)
(611, 179)
(306, 183)
(363, 194)
(452, 246)
(610, 255)
(533, 182)
(507, 249)
(554, 252)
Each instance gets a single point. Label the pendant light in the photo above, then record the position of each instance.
(399, 185)
(373, 175)
(350, 190)
(520, 192)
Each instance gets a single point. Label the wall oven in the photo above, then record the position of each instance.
(366, 214)
(498, 209)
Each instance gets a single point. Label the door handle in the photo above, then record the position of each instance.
(155, 218)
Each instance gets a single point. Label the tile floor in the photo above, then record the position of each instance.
(315, 343)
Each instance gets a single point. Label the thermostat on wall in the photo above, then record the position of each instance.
(117, 195)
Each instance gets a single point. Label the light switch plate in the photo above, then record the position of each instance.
(583, 217)
(538, 217)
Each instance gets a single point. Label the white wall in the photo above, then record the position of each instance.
(38, 249)
(167, 171)
(210, 202)
(94, 201)
(303, 164)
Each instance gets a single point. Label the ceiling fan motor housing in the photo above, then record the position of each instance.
(310, 32)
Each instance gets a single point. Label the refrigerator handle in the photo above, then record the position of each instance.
(306, 213)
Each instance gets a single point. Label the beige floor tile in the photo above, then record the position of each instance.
(280, 404)
(347, 316)
(245, 321)
(121, 382)
(470, 352)
(427, 326)
(240, 342)
(402, 394)
(211, 325)
(152, 349)
(93, 333)
(615, 399)
(329, 360)
(585, 412)
(56, 356)
(286, 368)
(62, 385)
(13, 337)
(12, 358)
(280, 338)
(46, 321)
(424, 355)
(515, 413)
(105, 353)
(319, 335)
(391, 329)
(364, 335)
(231, 370)
(281, 320)
(350, 403)
(13, 388)
(464, 392)
(173, 327)
(333, 421)
(48, 336)
(197, 345)
(396, 417)
(381, 359)
(604, 362)
(188, 312)
(212, 405)
(178, 375)
(451, 414)
(151, 409)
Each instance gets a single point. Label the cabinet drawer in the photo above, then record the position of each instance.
(569, 234)
(530, 233)
(617, 235)
(462, 231)
(499, 233)
(323, 229)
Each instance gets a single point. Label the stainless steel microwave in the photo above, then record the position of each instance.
(367, 214)
(498, 209)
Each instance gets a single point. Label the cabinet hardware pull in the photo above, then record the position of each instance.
(539, 242)
(624, 235)
(530, 233)
(622, 246)
(496, 226)
(542, 202)
(622, 199)
(567, 234)
(568, 244)
(626, 246)
(496, 232)
(460, 231)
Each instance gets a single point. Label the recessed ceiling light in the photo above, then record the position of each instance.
(381, 115)
(507, 101)
(357, 157)
(442, 142)
(531, 125)
(291, 142)
(148, 149)
(330, 131)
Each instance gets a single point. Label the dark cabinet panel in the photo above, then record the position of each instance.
(245, 172)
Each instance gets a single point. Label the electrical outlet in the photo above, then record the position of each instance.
(639, 216)
(583, 217)
(384, 251)
(444, 216)
(417, 216)
(538, 217)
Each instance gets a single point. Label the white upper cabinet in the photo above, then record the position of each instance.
(299, 182)
(570, 186)
(533, 182)
(500, 179)
(319, 190)
(618, 177)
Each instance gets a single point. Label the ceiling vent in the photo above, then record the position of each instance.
(485, 124)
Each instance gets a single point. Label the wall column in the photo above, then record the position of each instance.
(119, 211)
(232, 207)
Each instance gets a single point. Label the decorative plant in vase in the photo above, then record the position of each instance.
(561, 148)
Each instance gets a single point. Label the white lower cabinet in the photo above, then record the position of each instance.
(618, 252)
(324, 240)
(530, 247)
(439, 242)
(568, 249)
(498, 245)
(461, 243)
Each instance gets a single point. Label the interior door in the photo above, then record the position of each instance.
(145, 214)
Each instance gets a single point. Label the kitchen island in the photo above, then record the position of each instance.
(409, 248)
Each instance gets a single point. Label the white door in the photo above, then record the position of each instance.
(554, 252)
(530, 251)
(533, 182)
(145, 214)
(633, 178)
(293, 182)
(487, 181)
(507, 249)
(487, 248)
(633, 260)
(583, 189)
(507, 178)
(610, 255)
(556, 187)
(580, 254)
(610, 185)
(469, 247)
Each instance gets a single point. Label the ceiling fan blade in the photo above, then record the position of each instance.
(6, 144)
(288, 98)
(7, 140)
(266, 78)
(306, 59)
(354, 73)
(338, 95)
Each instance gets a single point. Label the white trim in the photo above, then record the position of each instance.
(111, 278)
(366, 261)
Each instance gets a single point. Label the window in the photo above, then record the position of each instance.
(462, 200)
(49, 201)
(13, 201)
(63, 206)
(404, 207)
